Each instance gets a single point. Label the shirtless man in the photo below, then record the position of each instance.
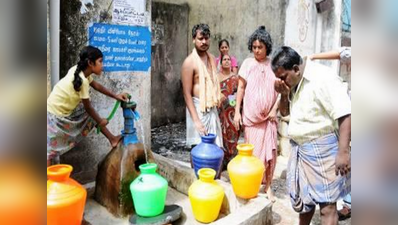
(202, 116)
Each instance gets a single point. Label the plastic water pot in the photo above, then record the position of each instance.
(65, 197)
(246, 172)
(206, 196)
(207, 154)
(149, 191)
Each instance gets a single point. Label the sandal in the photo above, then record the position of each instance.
(344, 213)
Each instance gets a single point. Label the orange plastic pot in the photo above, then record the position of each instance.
(65, 197)
(20, 195)
(246, 172)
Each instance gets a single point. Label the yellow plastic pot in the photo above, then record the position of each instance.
(206, 196)
(246, 172)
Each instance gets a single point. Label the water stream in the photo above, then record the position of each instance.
(141, 134)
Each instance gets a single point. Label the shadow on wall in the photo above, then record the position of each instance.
(73, 35)
(169, 50)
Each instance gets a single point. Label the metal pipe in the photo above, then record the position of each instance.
(55, 10)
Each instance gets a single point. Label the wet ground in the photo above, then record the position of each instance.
(169, 141)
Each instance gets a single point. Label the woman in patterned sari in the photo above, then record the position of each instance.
(229, 86)
(256, 89)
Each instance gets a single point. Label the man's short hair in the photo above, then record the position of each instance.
(204, 28)
(285, 57)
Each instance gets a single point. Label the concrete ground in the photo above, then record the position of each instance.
(283, 213)
(169, 141)
(95, 214)
(180, 176)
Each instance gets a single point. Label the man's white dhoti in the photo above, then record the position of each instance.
(210, 121)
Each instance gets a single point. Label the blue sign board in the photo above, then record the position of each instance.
(125, 48)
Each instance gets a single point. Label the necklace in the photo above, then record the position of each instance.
(262, 66)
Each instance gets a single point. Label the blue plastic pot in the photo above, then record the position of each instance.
(207, 155)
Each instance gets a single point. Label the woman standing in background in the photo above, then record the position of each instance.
(223, 47)
(229, 86)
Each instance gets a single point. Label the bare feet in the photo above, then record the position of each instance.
(115, 141)
(344, 213)
(270, 195)
(85, 222)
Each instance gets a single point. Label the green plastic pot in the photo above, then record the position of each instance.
(149, 191)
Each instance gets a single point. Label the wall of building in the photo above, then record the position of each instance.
(345, 68)
(169, 49)
(236, 20)
(75, 20)
(48, 51)
(308, 31)
(290, 22)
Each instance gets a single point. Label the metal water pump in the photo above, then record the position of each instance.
(130, 132)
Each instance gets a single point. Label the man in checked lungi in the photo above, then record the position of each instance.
(319, 106)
